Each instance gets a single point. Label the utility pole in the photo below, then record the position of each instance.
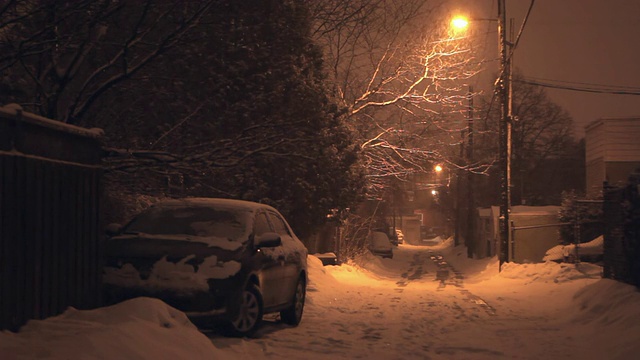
(470, 199)
(505, 135)
(459, 197)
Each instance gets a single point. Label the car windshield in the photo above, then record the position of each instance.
(192, 220)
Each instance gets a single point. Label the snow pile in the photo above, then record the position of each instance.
(550, 272)
(319, 279)
(604, 304)
(141, 328)
(561, 252)
(611, 311)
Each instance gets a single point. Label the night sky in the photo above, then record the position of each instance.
(574, 43)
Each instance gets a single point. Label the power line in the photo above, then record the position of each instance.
(524, 23)
(582, 87)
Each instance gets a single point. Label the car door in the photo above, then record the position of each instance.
(269, 261)
(293, 251)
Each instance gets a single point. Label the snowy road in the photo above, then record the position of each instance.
(425, 303)
(415, 306)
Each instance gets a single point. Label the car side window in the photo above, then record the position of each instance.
(261, 225)
(279, 224)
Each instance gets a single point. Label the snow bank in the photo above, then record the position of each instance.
(611, 311)
(141, 328)
(550, 272)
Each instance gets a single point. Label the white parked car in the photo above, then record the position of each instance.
(380, 245)
(400, 236)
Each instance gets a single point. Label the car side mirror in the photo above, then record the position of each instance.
(269, 239)
(112, 229)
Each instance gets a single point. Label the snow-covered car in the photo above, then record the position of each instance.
(214, 259)
(328, 258)
(432, 232)
(591, 251)
(393, 238)
(380, 245)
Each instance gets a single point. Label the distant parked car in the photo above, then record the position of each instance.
(380, 245)
(214, 259)
(400, 236)
(328, 258)
(393, 238)
(433, 232)
(591, 251)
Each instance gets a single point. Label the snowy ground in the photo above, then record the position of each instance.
(425, 303)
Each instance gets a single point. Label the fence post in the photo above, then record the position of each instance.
(576, 234)
(513, 241)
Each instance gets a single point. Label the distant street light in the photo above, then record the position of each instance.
(438, 168)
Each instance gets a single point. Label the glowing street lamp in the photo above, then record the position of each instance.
(459, 23)
(438, 168)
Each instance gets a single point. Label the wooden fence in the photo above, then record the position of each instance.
(49, 223)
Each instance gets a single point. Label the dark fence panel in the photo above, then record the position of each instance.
(622, 233)
(49, 223)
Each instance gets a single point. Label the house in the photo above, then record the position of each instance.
(487, 232)
(612, 152)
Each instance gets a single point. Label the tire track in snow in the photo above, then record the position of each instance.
(415, 271)
(443, 274)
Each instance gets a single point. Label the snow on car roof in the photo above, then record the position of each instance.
(215, 202)
(379, 238)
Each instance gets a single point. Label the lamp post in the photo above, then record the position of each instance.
(504, 158)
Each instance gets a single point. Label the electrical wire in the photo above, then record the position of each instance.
(524, 23)
(583, 87)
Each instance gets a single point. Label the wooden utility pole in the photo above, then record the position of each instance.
(469, 237)
(505, 135)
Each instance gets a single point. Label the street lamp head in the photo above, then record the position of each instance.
(438, 168)
(459, 23)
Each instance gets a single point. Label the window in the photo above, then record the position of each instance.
(279, 224)
(191, 220)
(261, 225)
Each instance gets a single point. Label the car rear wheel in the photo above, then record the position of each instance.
(293, 314)
(249, 314)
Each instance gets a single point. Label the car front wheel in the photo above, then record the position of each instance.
(293, 314)
(249, 314)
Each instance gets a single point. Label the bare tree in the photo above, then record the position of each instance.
(399, 72)
(546, 157)
(63, 56)
(543, 145)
